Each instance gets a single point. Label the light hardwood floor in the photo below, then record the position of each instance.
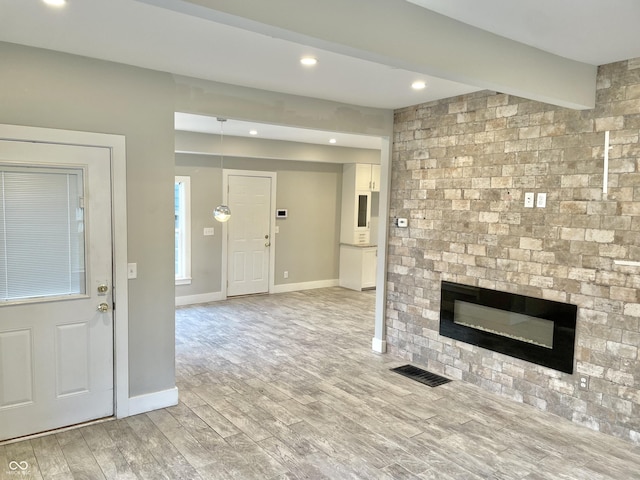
(286, 387)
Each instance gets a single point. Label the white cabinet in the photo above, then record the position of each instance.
(359, 180)
(367, 177)
(375, 178)
(369, 263)
(358, 267)
(357, 256)
(356, 208)
(363, 176)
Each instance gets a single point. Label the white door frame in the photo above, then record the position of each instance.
(272, 227)
(116, 145)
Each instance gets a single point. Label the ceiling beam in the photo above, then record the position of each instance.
(403, 35)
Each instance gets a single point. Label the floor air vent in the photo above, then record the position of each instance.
(422, 376)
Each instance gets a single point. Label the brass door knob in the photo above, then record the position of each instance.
(103, 307)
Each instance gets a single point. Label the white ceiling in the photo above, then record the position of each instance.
(144, 33)
(596, 32)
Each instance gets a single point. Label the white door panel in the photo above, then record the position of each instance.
(249, 235)
(16, 387)
(56, 349)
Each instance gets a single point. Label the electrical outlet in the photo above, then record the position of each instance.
(286, 274)
(528, 199)
(584, 382)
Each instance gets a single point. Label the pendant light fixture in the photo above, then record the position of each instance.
(222, 212)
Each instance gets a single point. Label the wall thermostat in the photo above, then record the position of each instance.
(403, 222)
(281, 213)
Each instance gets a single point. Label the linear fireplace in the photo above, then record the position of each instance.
(532, 329)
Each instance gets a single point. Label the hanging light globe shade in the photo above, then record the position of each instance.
(222, 213)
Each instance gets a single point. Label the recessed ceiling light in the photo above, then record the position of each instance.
(253, 132)
(418, 85)
(332, 140)
(308, 61)
(55, 3)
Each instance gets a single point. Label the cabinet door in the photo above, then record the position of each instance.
(363, 176)
(369, 260)
(375, 178)
(363, 210)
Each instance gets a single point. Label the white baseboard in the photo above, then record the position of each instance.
(288, 287)
(295, 287)
(201, 298)
(379, 346)
(153, 401)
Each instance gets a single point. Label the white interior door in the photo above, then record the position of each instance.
(249, 241)
(56, 347)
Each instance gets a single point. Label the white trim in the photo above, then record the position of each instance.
(295, 287)
(153, 401)
(288, 287)
(605, 173)
(185, 229)
(272, 224)
(117, 146)
(627, 263)
(380, 334)
(378, 345)
(225, 235)
(199, 298)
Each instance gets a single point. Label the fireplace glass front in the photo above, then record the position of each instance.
(533, 329)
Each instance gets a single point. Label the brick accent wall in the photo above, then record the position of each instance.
(460, 170)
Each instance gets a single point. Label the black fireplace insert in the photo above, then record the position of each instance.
(532, 329)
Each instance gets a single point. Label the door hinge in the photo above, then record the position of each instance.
(81, 202)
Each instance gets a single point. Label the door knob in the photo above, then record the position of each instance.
(267, 244)
(103, 288)
(103, 307)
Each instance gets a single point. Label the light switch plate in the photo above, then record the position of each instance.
(528, 199)
(132, 270)
(209, 231)
(541, 200)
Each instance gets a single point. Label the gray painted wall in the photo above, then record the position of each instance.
(307, 245)
(46, 89)
(55, 90)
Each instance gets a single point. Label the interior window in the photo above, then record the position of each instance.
(183, 230)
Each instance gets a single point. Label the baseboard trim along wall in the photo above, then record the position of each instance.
(295, 287)
(379, 346)
(153, 401)
(288, 287)
(200, 298)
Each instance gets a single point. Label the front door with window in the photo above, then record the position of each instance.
(56, 321)
(249, 235)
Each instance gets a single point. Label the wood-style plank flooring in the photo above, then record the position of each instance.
(286, 387)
